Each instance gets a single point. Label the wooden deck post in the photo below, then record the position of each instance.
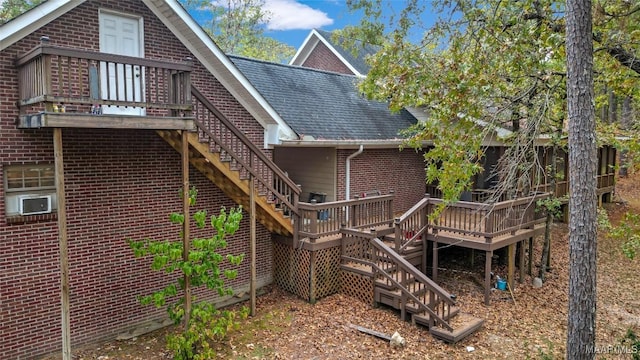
(511, 265)
(434, 261)
(531, 256)
(252, 242)
(521, 264)
(186, 237)
(487, 277)
(64, 249)
(312, 276)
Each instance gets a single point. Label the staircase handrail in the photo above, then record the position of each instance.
(401, 240)
(401, 262)
(291, 204)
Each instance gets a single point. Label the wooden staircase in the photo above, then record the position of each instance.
(221, 152)
(399, 284)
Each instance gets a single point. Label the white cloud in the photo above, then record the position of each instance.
(292, 15)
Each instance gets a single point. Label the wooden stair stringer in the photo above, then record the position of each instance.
(229, 181)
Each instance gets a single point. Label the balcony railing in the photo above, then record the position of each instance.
(318, 220)
(57, 79)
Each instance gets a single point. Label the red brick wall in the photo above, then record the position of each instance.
(120, 184)
(323, 58)
(384, 170)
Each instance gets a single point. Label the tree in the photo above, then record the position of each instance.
(488, 64)
(583, 200)
(204, 267)
(237, 27)
(12, 8)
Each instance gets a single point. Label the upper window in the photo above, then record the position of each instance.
(30, 177)
(29, 189)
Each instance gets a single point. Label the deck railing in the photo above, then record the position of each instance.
(323, 219)
(80, 79)
(234, 146)
(411, 227)
(488, 220)
(562, 188)
(606, 180)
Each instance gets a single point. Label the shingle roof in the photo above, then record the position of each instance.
(357, 60)
(325, 105)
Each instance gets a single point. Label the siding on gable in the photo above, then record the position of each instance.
(120, 184)
(322, 58)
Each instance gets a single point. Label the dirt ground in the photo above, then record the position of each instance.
(532, 324)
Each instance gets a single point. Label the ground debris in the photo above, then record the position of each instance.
(287, 327)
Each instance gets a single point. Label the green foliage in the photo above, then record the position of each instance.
(204, 268)
(632, 342)
(603, 220)
(628, 231)
(12, 8)
(207, 325)
(552, 205)
(486, 65)
(238, 27)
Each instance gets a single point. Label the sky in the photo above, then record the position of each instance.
(292, 20)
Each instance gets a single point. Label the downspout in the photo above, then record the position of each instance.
(347, 194)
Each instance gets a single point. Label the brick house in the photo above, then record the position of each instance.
(131, 76)
(122, 92)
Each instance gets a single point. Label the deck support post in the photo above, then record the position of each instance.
(511, 265)
(521, 262)
(312, 277)
(487, 276)
(434, 261)
(63, 244)
(186, 237)
(252, 244)
(530, 256)
(425, 252)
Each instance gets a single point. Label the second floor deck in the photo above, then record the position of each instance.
(65, 87)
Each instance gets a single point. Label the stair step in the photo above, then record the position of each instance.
(390, 242)
(463, 326)
(357, 268)
(393, 297)
(365, 269)
(384, 282)
(423, 318)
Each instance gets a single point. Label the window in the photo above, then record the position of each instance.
(29, 189)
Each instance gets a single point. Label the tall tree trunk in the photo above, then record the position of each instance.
(582, 178)
(625, 122)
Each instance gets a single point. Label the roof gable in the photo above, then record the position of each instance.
(355, 62)
(321, 105)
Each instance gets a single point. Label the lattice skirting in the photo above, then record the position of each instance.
(357, 286)
(293, 269)
(327, 272)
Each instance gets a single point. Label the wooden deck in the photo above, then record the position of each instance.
(478, 226)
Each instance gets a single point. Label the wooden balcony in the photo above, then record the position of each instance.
(64, 87)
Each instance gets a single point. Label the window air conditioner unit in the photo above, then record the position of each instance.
(34, 204)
